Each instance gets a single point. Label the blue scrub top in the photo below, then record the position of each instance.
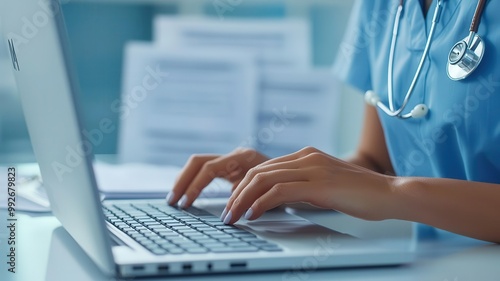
(460, 137)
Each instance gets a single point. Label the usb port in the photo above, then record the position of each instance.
(163, 268)
(137, 267)
(238, 265)
(187, 267)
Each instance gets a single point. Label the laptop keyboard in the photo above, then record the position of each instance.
(163, 230)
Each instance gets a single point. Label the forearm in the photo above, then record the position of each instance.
(467, 208)
(372, 151)
(367, 162)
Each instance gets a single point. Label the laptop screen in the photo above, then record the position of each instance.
(36, 39)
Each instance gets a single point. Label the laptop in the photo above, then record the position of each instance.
(137, 238)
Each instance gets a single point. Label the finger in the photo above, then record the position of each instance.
(293, 156)
(294, 164)
(235, 185)
(281, 193)
(235, 176)
(190, 170)
(212, 169)
(259, 185)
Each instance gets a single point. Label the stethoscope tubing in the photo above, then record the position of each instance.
(476, 20)
(390, 111)
(373, 98)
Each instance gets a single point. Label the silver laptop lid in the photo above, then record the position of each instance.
(36, 37)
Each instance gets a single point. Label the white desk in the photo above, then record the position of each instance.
(46, 252)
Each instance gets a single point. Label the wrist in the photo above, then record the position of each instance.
(391, 204)
(403, 202)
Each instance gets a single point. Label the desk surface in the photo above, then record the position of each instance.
(42, 255)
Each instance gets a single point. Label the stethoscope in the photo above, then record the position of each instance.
(463, 59)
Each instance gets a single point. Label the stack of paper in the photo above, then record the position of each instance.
(276, 43)
(231, 83)
(178, 104)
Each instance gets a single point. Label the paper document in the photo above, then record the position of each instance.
(298, 108)
(205, 103)
(134, 180)
(277, 43)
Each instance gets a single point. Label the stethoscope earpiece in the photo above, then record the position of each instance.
(419, 111)
(371, 98)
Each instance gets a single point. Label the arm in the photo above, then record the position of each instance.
(467, 208)
(372, 151)
(360, 187)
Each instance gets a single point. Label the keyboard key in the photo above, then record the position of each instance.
(189, 245)
(237, 244)
(215, 245)
(158, 238)
(251, 239)
(135, 235)
(146, 242)
(169, 234)
(224, 227)
(141, 217)
(198, 212)
(149, 234)
(197, 250)
(231, 240)
(221, 236)
(156, 227)
(235, 231)
(176, 251)
(270, 248)
(196, 236)
(162, 217)
(168, 221)
(203, 241)
(168, 245)
(159, 251)
(257, 242)
(211, 219)
(205, 228)
(128, 229)
(175, 224)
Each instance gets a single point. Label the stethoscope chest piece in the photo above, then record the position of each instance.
(464, 58)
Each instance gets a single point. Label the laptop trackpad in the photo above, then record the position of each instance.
(285, 229)
(296, 233)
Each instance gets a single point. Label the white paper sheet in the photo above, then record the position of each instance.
(277, 43)
(23, 172)
(115, 181)
(135, 180)
(205, 103)
(298, 108)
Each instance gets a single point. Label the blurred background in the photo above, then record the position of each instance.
(100, 31)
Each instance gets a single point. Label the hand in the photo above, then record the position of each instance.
(313, 177)
(200, 170)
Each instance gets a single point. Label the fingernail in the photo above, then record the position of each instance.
(183, 201)
(170, 197)
(248, 214)
(223, 215)
(227, 219)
